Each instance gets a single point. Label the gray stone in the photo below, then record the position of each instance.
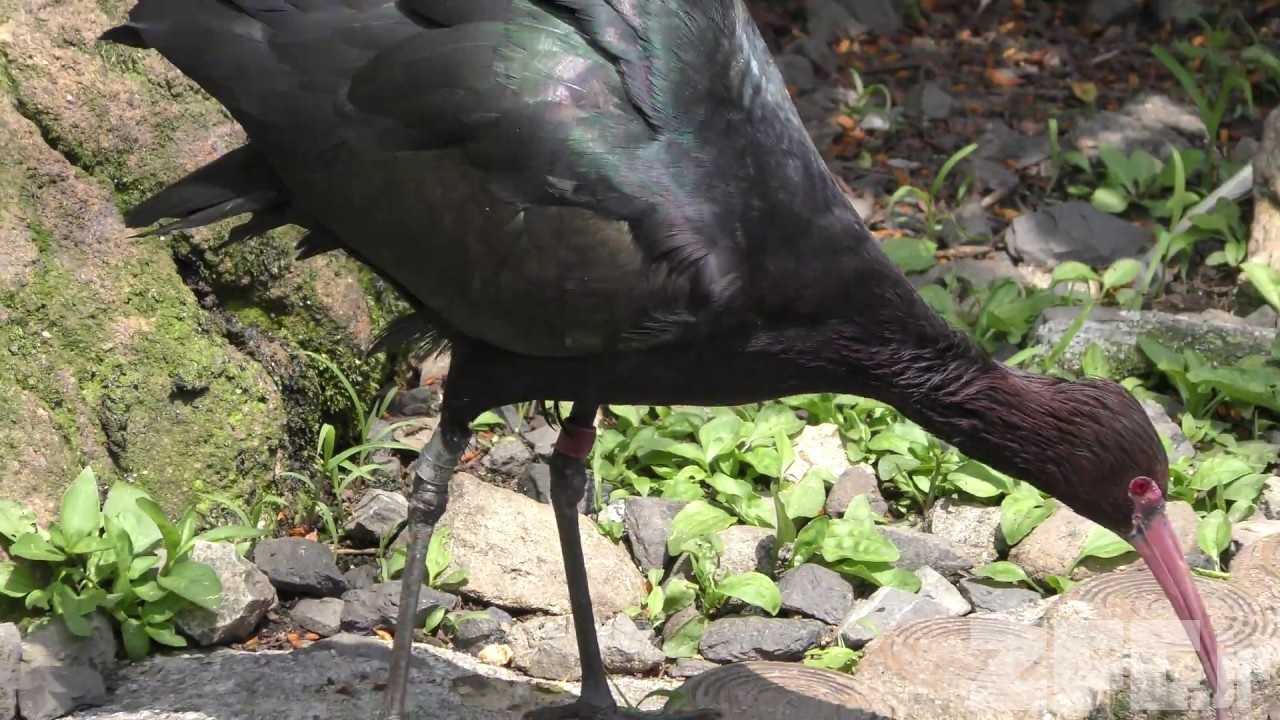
(747, 548)
(828, 21)
(336, 679)
(968, 225)
(882, 17)
(688, 667)
(736, 639)
(542, 437)
(628, 648)
(361, 577)
(487, 628)
(797, 71)
(940, 590)
(378, 606)
(512, 555)
(857, 480)
(10, 667)
(1179, 446)
(1150, 122)
(1269, 502)
(247, 595)
(535, 482)
(299, 566)
(322, 616)
(818, 446)
(917, 549)
(887, 608)
(1001, 144)
(648, 524)
(1073, 230)
(927, 101)
(817, 592)
(970, 528)
(60, 671)
(546, 647)
(1116, 333)
(991, 596)
(1106, 12)
(377, 514)
(508, 456)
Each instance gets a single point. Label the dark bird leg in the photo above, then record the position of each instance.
(568, 483)
(427, 501)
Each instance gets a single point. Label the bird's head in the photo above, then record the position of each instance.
(1114, 471)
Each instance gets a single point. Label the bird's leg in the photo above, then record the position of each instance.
(427, 501)
(568, 483)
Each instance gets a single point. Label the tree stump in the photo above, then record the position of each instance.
(1264, 239)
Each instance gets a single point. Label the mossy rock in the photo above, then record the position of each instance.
(165, 359)
(1116, 334)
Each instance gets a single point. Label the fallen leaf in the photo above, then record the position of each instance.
(383, 634)
(1002, 78)
(1086, 91)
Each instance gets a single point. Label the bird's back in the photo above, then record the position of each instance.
(552, 177)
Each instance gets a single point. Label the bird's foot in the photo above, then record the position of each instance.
(579, 710)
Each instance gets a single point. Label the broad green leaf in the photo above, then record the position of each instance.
(719, 436)
(194, 582)
(164, 634)
(804, 499)
(1003, 571)
(833, 658)
(695, 520)
(1073, 271)
(149, 591)
(1020, 513)
(435, 616)
(809, 540)
(90, 544)
(122, 504)
(1103, 543)
(731, 486)
(753, 588)
(1265, 280)
(33, 547)
(172, 538)
(438, 554)
(1110, 200)
(137, 643)
(1245, 489)
(865, 546)
(1059, 582)
(15, 520)
(1094, 362)
(1121, 273)
(140, 565)
(979, 480)
(773, 419)
(80, 515)
(684, 642)
(912, 255)
(678, 595)
(1214, 534)
(14, 580)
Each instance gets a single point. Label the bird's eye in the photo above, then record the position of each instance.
(1141, 486)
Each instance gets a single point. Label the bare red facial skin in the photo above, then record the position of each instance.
(1154, 539)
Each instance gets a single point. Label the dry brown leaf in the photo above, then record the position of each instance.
(1002, 78)
(383, 634)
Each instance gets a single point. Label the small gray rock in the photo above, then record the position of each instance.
(322, 616)
(247, 595)
(1002, 143)
(1073, 230)
(991, 596)
(797, 71)
(377, 514)
(927, 101)
(817, 592)
(857, 480)
(688, 667)
(627, 648)
(508, 456)
(361, 577)
(969, 224)
(60, 671)
(546, 647)
(1269, 502)
(487, 628)
(542, 437)
(917, 549)
(648, 524)
(736, 639)
(969, 527)
(378, 605)
(887, 608)
(536, 482)
(1179, 445)
(747, 548)
(10, 666)
(300, 567)
(883, 17)
(940, 590)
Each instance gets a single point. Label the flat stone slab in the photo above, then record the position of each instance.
(336, 679)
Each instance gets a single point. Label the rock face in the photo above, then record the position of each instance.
(61, 671)
(111, 359)
(509, 546)
(247, 594)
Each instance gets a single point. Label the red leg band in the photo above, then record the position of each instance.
(576, 442)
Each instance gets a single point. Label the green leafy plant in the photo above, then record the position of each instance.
(439, 559)
(123, 557)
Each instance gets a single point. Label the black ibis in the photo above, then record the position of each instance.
(609, 201)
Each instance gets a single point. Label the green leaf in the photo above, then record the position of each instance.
(90, 544)
(753, 588)
(438, 554)
(911, 254)
(1003, 571)
(172, 539)
(122, 505)
(1020, 513)
(137, 643)
(718, 436)
(684, 642)
(1073, 271)
(140, 565)
(81, 514)
(1110, 200)
(1103, 543)
(14, 580)
(678, 595)
(15, 520)
(695, 520)
(1214, 534)
(862, 545)
(809, 540)
(195, 582)
(1094, 362)
(434, 617)
(1121, 273)
(805, 499)
(33, 547)
(979, 480)
(164, 634)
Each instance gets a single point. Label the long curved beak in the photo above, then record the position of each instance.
(1154, 539)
